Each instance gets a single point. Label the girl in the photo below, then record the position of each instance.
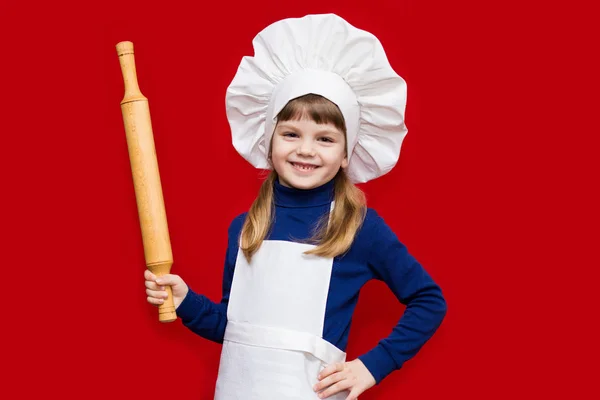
(321, 107)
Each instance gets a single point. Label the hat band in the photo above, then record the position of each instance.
(324, 83)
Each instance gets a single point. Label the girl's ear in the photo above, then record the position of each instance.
(345, 163)
(270, 155)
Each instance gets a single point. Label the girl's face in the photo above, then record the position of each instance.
(307, 155)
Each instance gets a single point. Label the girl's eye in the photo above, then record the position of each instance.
(290, 134)
(326, 139)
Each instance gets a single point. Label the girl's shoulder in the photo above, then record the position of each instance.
(372, 219)
(374, 226)
(235, 226)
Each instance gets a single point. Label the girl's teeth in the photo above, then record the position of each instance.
(304, 167)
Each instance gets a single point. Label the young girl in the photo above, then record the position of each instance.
(321, 107)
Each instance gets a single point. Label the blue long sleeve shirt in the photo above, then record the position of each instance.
(376, 253)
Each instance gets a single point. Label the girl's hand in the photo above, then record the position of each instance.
(352, 376)
(156, 290)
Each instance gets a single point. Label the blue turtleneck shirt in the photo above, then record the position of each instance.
(376, 253)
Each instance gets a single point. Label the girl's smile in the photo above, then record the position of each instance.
(303, 167)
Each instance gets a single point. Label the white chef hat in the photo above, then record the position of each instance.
(323, 55)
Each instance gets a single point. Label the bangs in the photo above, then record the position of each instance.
(313, 107)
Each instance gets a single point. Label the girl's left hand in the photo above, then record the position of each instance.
(352, 376)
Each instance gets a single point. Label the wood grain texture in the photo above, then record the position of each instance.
(146, 176)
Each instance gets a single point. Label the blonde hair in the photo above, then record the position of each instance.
(332, 236)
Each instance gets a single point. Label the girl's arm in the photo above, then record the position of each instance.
(199, 313)
(412, 285)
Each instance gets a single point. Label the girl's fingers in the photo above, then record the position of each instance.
(335, 388)
(326, 382)
(157, 294)
(154, 301)
(149, 276)
(169, 279)
(153, 286)
(354, 393)
(331, 369)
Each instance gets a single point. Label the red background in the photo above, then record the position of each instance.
(495, 192)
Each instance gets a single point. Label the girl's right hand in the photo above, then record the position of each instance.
(156, 290)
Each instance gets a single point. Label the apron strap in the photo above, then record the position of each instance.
(285, 339)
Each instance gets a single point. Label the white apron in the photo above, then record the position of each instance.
(273, 347)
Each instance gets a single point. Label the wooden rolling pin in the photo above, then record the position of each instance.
(146, 177)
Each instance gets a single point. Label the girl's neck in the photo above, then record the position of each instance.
(299, 198)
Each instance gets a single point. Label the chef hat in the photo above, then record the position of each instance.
(323, 55)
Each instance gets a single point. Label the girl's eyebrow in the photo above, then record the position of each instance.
(287, 126)
(329, 131)
(319, 132)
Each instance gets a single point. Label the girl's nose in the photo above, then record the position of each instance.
(306, 148)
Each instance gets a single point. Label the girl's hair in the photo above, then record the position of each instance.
(332, 236)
